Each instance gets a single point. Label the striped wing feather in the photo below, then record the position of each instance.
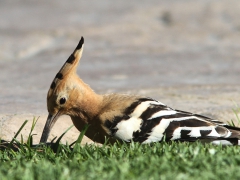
(148, 120)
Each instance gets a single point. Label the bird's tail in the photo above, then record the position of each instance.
(228, 135)
(232, 139)
(235, 133)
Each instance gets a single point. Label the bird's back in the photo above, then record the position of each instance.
(146, 120)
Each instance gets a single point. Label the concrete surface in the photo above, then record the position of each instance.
(183, 53)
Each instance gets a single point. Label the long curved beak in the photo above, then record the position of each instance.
(48, 126)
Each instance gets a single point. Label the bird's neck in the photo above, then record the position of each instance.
(87, 105)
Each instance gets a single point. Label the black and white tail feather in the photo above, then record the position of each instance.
(147, 120)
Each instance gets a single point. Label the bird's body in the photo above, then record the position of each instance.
(126, 117)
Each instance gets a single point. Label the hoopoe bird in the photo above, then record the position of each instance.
(126, 117)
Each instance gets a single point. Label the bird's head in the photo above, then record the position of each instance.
(64, 91)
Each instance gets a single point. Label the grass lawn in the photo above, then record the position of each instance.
(119, 161)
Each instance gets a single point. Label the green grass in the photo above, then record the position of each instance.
(236, 111)
(19, 160)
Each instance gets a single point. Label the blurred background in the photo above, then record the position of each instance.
(184, 53)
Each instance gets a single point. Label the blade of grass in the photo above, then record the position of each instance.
(29, 140)
(20, 129)
(80, 137)
(52, 141)
(21, 138)
(231, 123)
(236, 114)
(56, 145)
(236, 110)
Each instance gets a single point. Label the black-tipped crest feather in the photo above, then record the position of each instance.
(81, 42)
(69, 65)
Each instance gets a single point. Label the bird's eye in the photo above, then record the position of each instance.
(62, 100)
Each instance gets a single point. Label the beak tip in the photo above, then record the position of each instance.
(47, 128)
(43, 140)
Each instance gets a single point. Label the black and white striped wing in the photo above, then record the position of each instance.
(148, 120)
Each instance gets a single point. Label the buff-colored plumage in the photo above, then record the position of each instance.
(82, 104)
